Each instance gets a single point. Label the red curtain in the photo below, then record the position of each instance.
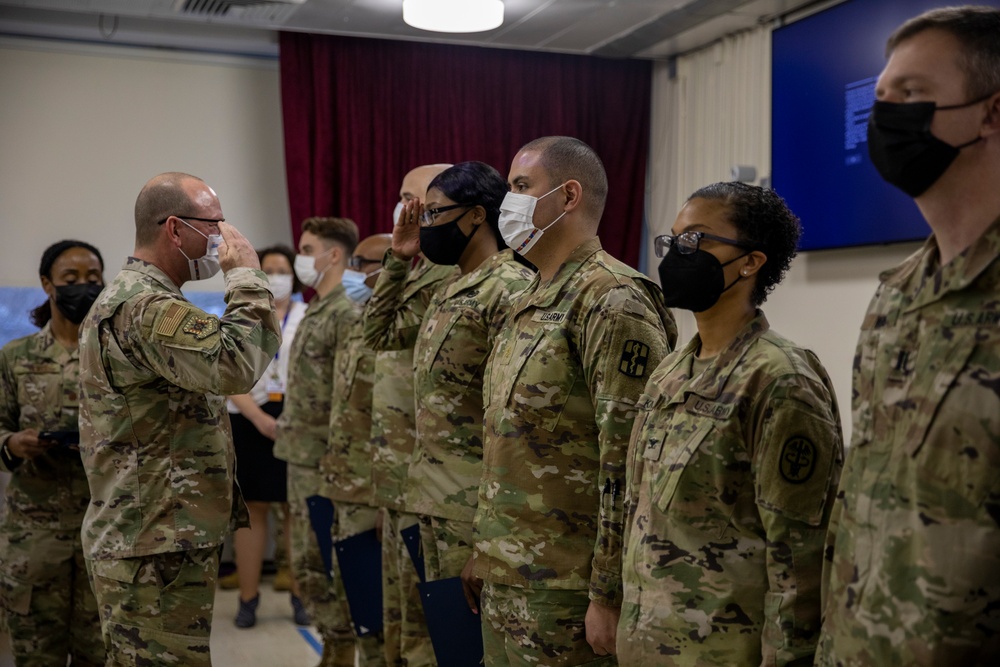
(359, 113)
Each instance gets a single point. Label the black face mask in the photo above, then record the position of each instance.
(74, 301)
(902, 148)
(693, 282)
(444, 244)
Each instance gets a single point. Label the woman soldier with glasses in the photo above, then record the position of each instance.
(735, 454)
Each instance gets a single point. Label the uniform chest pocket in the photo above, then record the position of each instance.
(677, 451)
(956, 417)
(39, 392)
(544, 375)
(453, 351)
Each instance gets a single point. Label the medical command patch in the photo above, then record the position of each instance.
(635, 356)
(200, 326)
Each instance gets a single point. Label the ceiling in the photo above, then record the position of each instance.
(613, 28)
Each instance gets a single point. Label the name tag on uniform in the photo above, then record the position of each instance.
(713, 409)
(548, 316)
(982, 318)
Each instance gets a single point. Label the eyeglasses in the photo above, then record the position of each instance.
(357, 262)
(688, 242)
(191, 217)
(430, 215)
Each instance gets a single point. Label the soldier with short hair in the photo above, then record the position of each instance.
(560, 389)
(325, 245)
(154, 431)
(49, 606)
(913, 576)
(734, 458)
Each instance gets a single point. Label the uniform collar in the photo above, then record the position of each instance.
(710, 384)
(338, 292)
(544, 296)
(50, 348)
(152, 271)
(487, 268)
(924, 280)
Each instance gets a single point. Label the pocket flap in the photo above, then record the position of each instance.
(15, 596)
(123, 569)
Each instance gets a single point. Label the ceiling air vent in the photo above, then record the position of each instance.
(242, 11)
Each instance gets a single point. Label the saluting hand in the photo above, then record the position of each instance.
(236, 250)
(406, 233)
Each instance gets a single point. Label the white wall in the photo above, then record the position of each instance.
(83, 127)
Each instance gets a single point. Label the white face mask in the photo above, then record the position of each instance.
(354, 284)
(517, 213)
(207, 265)
(281, 285)
(305, 268)
(396, 212)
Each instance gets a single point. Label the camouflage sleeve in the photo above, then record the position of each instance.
(203, 353)
(10, 411)
(388, 324)
(623, 343)
(633, 475)
(796, 465)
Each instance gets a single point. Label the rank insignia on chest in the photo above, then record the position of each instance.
(798, 460)
(635, 355)
(200, 326)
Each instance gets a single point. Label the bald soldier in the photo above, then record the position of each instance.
(560, 390)
(393, 435)
(346, 467)
(154, 431)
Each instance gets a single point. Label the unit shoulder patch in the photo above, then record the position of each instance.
(200, 326)
(798, 460)
(635, 357)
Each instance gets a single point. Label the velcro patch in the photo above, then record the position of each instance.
(200, 326)
(798, 460)
(172, 319)
(635, 356)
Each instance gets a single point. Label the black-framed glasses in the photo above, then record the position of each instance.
(356, 262)
(191, 217)
(430, 215)
(688, 242)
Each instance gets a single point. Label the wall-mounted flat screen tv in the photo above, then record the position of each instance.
(824, 69)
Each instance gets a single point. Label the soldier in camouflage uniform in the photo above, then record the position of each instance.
(914, 573)
(450, 349)
(49, 606)
(560, 389)
(154, 430)
(346, 466)
(304, 425)
(734, 457)
(393, 433)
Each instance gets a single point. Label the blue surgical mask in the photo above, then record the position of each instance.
(354, 283)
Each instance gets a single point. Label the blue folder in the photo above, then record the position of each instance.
(411, 538)
(321, 518)
(360, 560)
(456, 633)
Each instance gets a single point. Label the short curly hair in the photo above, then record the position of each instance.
(763, 222)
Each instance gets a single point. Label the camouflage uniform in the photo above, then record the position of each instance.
(303, 433)
(157, 448)
(50, 608)
(391, 327)
(464, 317)
(347, 463)
(559, 391)
(733, 465)
(915, 570)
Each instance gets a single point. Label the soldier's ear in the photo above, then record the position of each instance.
(49, 288)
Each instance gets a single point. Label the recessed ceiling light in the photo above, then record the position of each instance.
(453, 15)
